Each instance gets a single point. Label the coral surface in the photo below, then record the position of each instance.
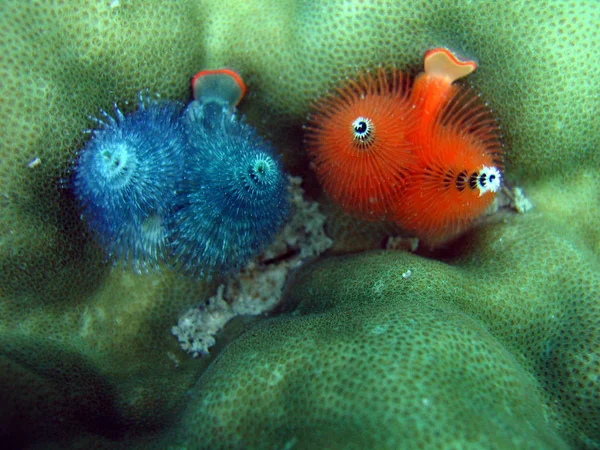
(501, 329)
(532, 58)
(483, 350)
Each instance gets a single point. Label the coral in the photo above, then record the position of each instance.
(532, 57)
(126, 176)
(389, 350)
(94, 341)
(232, 198)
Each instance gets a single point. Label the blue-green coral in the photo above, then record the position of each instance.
(487, 349)
(62, 61)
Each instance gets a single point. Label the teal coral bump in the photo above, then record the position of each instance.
(389, 350)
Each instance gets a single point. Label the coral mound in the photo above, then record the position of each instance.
(86, 349)
(390, 350)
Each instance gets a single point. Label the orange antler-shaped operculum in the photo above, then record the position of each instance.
(434, 87)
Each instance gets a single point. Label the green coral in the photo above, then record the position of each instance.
(536, 63)
(84, 346)
(515, 310)
(488, 349)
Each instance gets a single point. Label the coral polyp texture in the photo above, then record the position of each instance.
(454, 355)
(86, 357)
(232, 198)
(301, 49)
(125, 179)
